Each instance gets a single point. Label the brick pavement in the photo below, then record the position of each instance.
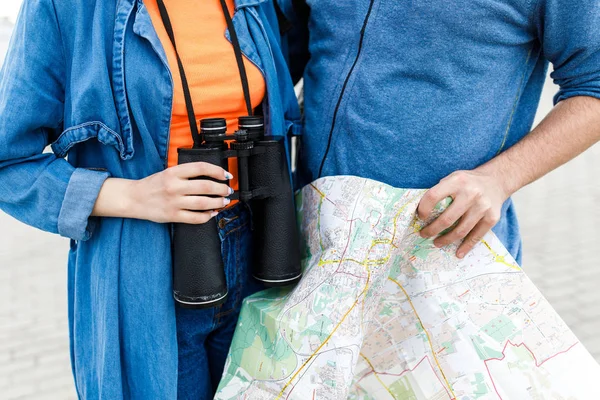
(560, 221)
(34, 352)
(561, 257)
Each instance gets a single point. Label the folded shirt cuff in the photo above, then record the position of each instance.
(565, 94)
(74, 220)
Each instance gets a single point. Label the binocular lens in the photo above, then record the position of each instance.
(214, 131)
(255, 126)
(249, 122)
(213, 125)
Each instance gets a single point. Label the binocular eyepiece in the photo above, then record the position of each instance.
(264, 184)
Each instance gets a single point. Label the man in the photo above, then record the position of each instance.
(442, 95)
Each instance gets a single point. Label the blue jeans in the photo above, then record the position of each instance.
(204, 336)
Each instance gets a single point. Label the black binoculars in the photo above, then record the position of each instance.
(264, 184)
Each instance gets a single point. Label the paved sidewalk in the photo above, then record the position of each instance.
(34, 347)
(560, 222)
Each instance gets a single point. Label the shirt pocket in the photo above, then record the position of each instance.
(83, 132)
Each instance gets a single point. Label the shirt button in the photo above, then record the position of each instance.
(222, 223)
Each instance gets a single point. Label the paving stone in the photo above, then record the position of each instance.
(18, 392)
(560, 225)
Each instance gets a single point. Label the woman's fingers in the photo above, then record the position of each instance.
(194, 217)
(203, 203)
(171, 196)
(202, 187)
(196, 169)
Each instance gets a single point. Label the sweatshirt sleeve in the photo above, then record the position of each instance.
(569, 32)
(39, 188)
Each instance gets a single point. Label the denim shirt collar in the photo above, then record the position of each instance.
(124, 10)
(247, 3)
(142, 26)
(238, 3)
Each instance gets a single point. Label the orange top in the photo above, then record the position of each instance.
(210, 67)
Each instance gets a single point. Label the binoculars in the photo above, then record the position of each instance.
(264, 184)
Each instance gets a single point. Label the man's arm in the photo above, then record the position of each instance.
(569, 33)
(571, 128)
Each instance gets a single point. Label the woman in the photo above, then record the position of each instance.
(100, 82)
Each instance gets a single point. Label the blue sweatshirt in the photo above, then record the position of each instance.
(423, 88)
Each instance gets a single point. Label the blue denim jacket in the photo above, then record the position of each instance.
(91, 79)
(437, 86)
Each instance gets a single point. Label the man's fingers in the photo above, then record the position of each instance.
(473, 238)
(446, 219)
(203, 187)
(196, 169)
(466, 224)
(203, 203)
(433, 196)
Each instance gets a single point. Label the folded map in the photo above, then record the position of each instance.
(381, 313)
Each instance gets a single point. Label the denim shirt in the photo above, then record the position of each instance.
(91, 79)
(420, 89)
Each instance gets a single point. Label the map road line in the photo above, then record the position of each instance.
(377, 376)
(363, 293)
(428, 337)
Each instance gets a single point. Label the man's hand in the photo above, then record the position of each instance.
(475, 209)
(570, 128)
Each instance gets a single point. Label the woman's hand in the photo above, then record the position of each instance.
(167, 196)
(475, 209)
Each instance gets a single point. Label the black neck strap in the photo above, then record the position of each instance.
(186, 88)
(238, 57)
